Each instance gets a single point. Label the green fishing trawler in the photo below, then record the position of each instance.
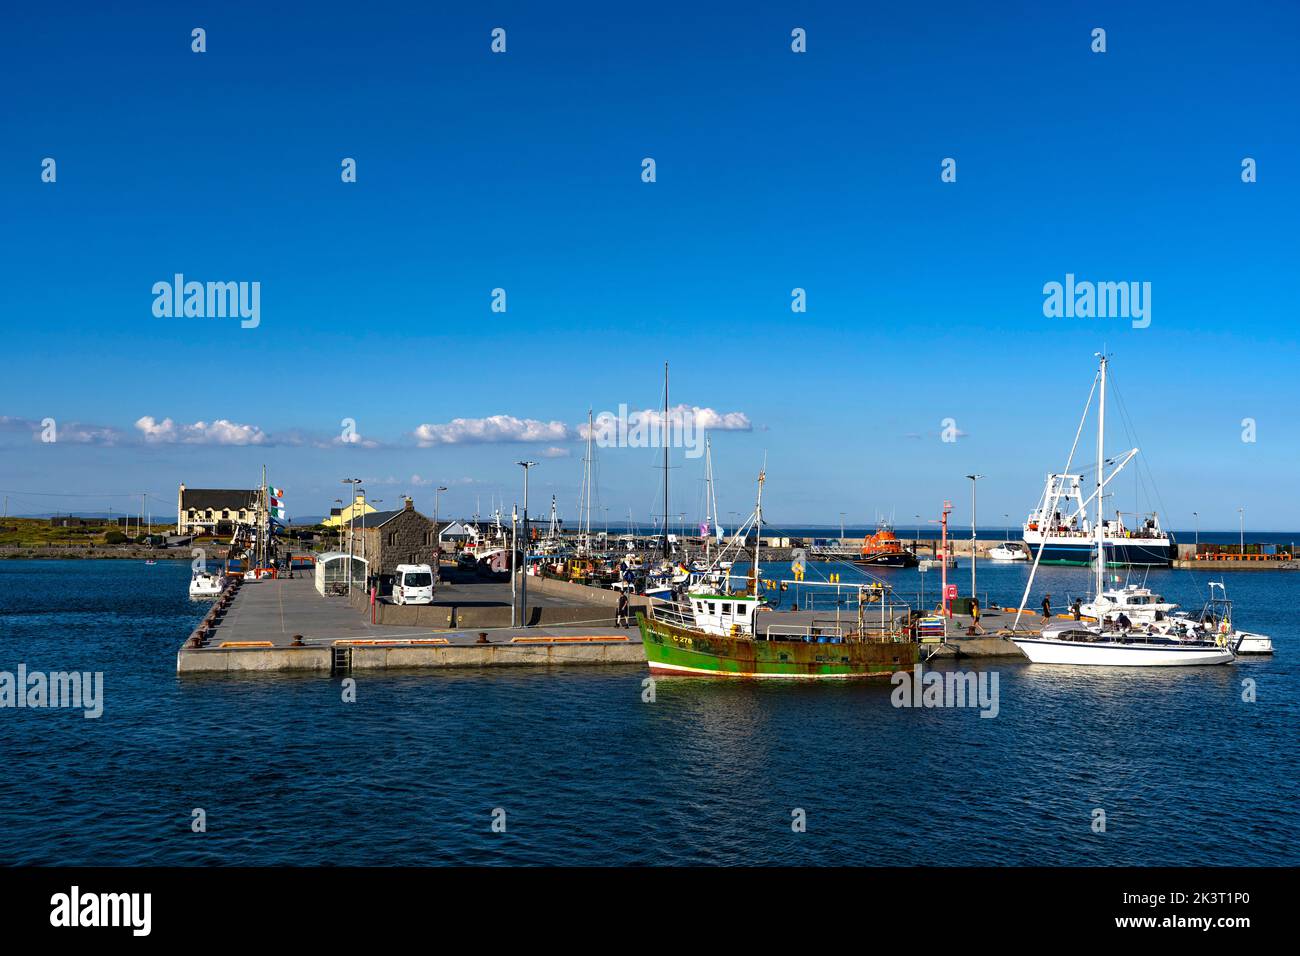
(716, 637)
(720, 635)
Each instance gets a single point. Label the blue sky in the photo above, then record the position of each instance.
(775, 170)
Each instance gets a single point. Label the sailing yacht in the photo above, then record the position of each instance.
(1113, 641)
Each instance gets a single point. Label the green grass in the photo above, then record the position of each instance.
(38, 532)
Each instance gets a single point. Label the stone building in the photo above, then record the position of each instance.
(214, 510)
(396, 537)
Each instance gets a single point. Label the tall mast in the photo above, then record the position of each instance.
(664, 431)
(708, 495)
(587, 532)
(1101, 481)
(758, 524)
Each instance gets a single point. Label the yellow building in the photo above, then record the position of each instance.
(353, 512)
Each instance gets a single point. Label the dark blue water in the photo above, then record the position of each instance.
(587, 773)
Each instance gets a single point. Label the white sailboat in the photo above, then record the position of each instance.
(1108, 642)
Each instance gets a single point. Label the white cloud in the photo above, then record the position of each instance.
(555, 452)
(218, 432)
(494, 428)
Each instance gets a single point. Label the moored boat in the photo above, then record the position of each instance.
(884, 550)
(1008, 552)
(207, 584)
(1112, 639)
(720, 635)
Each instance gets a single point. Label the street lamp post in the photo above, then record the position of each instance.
(1196, 519)
(352, 515)
(1241, 519)
(364, 502)
(973, 480)
(523, 581)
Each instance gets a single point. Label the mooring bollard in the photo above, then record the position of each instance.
(297, 641)
(482, 637)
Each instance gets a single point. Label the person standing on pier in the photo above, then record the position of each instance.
(975, 615)
(621, 621)
(1047, 605)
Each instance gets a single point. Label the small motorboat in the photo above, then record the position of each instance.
(1008, 552)
(151, 561)
(1216, 616)
(207, 584)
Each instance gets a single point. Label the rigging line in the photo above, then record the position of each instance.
(1052, 507)
(1188, 574)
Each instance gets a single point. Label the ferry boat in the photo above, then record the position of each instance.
(1059, 524)
(884, 550)
(719, 635)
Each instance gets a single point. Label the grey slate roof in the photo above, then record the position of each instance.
(217, 498)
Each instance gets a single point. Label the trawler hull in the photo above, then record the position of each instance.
(670, 649)
(1119, 552)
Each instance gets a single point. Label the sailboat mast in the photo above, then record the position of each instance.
(664, 431)
(708, 495)
(1101, 481)
(586, 489)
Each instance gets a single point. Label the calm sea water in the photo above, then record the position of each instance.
(1186, 772)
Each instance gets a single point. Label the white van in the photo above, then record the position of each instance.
(413, 584)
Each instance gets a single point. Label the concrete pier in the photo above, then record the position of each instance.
(284, 625)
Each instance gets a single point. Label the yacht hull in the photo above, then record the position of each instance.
(1254, 643)
(1112, 654)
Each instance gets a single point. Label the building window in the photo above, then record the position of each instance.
(392, 539)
